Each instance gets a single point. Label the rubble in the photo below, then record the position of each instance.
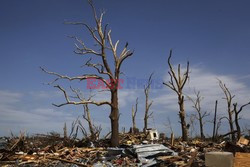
(134, 150)
(3, 143)
(148, 153)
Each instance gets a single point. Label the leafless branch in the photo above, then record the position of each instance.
(99, 67)
(84, 50)
(91, 30)
(82, 77)
(83, 101)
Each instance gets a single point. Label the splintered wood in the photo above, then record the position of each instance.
(242, 160)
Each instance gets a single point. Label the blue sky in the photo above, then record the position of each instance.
(213, 35)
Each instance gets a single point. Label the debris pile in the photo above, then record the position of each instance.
(134, 150)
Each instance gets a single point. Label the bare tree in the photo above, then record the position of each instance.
(228, 97)
(177, 83)
(237, 112)
(148, 103)
(104, 45)
(200, 114)
(134, 112)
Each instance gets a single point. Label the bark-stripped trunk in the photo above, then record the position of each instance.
(237, 126)
(215, 115)
(177, 83)
(231, 127)
(146, 115)
(229, 97)
(133, 120)
(201, 127)
(65, 134)
(87, 117)
(182, 116)
(148, 103)
(237, 112)
(114, 118)
(134, 112)
(145, 125)
(230, 120)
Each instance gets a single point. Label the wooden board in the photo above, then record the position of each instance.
(243, 141)
(242, 160)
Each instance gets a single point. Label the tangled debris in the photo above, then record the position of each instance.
(53, 150)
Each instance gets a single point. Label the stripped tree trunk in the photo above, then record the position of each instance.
(200, 114)
(237, 112)
(114, 118)
(148, 103)
(177, 83)
(134, 112)
(229, 97)
(101, 35)
(215, 115)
